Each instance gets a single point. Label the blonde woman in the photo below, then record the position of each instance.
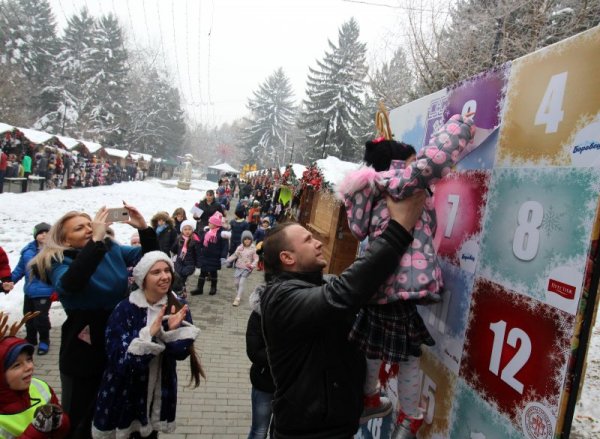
(89, 272)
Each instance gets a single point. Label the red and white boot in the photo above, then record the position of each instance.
(407, 426)
(375, 406)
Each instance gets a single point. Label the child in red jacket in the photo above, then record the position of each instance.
(29, 409)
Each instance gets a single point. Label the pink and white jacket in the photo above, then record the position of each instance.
(244, 257)
(418, 276)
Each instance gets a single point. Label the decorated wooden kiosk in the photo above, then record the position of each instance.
(324, 215)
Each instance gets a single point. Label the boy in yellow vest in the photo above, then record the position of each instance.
(29, 409)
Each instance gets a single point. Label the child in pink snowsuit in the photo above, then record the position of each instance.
(389, 328)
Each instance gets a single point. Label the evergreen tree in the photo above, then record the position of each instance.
(157, 125)
(393, 83)
(29, 45)
(333, 112)
(74, 86)
(272, 118)
(110, 101)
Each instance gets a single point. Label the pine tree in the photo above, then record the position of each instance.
(394, 82)
(157, 125)
(28, 45)
(272, 118)
(333, 112)
(110, 100)
(75, 84)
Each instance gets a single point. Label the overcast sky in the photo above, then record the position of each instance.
(219, 51)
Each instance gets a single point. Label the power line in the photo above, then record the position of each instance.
(200, 59)
(187, 51)
(162, 45)
(63, 11)
(130, 24)
(211, 103)
(175, 52)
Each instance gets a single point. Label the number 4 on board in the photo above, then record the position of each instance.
(550, 112)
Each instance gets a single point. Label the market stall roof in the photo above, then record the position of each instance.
(69, 142)
(92, 147)
(37, 137)
(114, 152)
(5, 128)
(224, 167)
(138, 155)
(334, 170)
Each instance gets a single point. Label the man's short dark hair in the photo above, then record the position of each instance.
(275, 242)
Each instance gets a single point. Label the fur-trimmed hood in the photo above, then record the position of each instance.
(162, 216)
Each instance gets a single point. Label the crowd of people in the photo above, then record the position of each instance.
(315, 342)
(65, 170)
(127, 314)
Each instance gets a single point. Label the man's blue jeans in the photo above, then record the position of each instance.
(261, 414)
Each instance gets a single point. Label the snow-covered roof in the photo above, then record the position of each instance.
(69, 142)
(138, 155)
(92, 147)
(35, 136)
(224, 167)
(298, 169)
(4, 128)
(114, 152)
(334, 170)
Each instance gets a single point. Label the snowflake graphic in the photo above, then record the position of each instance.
(552, 221)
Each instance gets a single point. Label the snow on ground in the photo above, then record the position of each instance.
(19, 213)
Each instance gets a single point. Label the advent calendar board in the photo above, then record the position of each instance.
(517, 237)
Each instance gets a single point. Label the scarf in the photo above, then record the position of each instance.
(159, 229)
(210, 236)
(185, 244)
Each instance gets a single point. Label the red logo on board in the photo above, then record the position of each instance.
(564, 290)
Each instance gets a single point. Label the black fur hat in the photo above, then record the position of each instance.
(379, 154)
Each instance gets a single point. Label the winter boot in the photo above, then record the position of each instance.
(200, 289)
(407, 426)
(213, 286)
(375, 406)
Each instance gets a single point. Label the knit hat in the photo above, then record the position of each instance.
(247, 234)
(40, 228)
(148, 260)
(18, 345)
(216, 219)
(240, 212)
(190, 223)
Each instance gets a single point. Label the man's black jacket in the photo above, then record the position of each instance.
(318, 373)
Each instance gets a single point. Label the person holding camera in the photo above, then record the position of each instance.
(89, 272)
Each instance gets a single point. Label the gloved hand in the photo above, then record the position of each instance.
(223, 262)
(47, 418)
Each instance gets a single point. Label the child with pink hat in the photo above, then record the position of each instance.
(213, 252)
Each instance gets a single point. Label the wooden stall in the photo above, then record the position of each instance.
(324, 215)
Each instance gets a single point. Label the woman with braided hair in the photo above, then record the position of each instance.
(146, 335)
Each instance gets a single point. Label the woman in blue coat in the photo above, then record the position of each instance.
(37, 293)
(146, 335)
(89, 272)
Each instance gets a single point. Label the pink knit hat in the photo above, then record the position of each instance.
(216, 219)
